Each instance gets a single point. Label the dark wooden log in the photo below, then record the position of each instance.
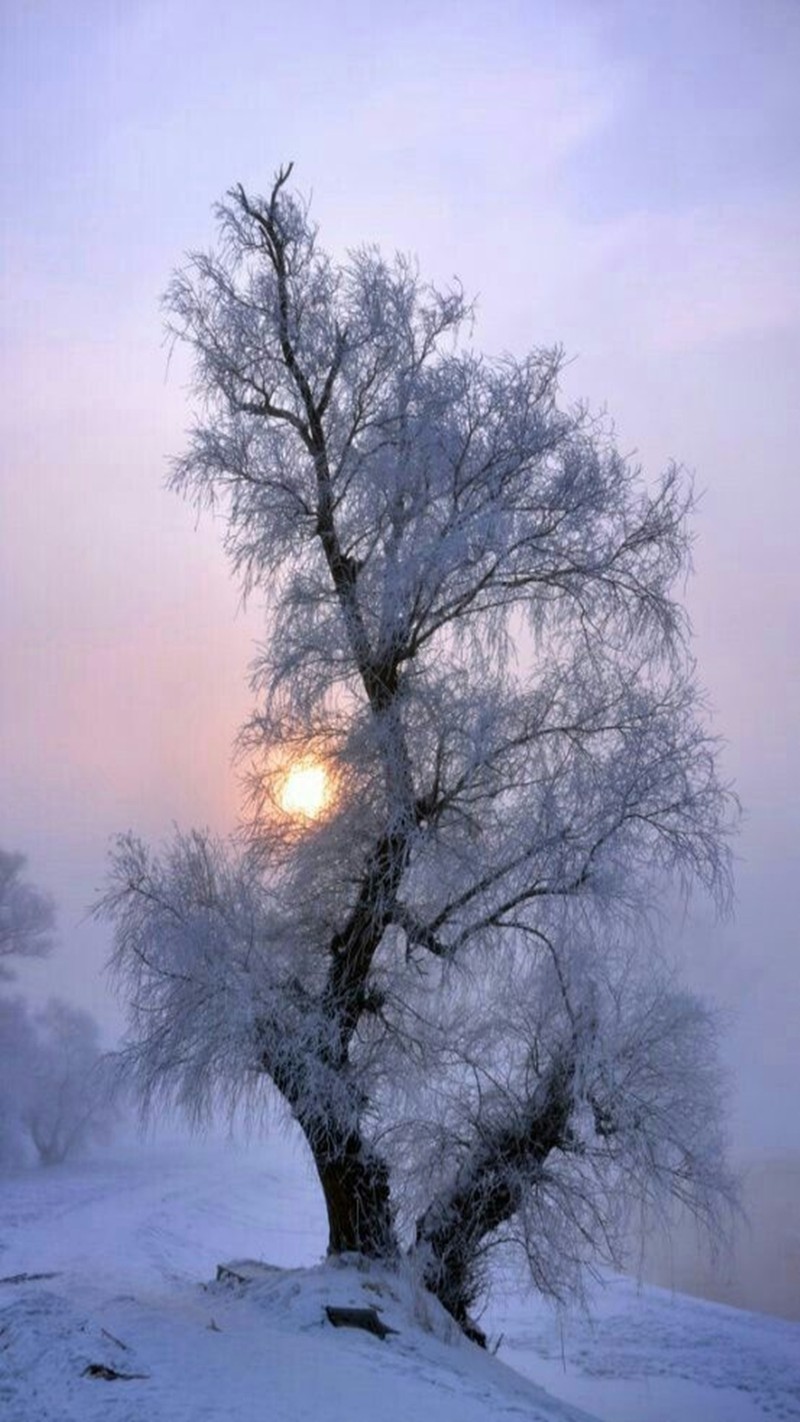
(101, 1370)
(366, 1318)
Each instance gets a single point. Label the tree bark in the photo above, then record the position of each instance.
(355, 1184)
(487, 1192)
(354, 1178)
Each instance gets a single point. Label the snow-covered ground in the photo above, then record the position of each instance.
(132, 1242)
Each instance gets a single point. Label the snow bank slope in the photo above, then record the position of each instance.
(134, 1241)
(194, 1354)
(648, 1355)
(124, 1332)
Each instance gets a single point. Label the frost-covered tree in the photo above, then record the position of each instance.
(57, 1092)
(68, 1099)
(26, 914)
(444, 958)
(17, 1051)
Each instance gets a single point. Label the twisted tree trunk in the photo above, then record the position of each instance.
(487, 1192)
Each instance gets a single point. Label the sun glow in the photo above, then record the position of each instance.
(305, 791)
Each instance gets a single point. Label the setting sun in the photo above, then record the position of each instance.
(304, 790)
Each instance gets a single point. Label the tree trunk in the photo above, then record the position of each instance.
(355, 1184)
(487, 1192)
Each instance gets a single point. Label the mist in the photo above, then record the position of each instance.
(621, 179)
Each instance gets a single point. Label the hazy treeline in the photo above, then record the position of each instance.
(56, 1089)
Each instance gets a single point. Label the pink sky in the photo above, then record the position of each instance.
(620, 177)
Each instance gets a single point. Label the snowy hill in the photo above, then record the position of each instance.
(132, 1245)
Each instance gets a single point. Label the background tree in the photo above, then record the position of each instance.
(447, 965)
(17, 1051)
(57, 1092)
(69, 1099)
(26, 914)
(27, 917)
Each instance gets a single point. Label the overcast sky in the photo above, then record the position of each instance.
(623, 178)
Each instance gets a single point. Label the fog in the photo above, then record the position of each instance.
(621, 178)
(758, 1267)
